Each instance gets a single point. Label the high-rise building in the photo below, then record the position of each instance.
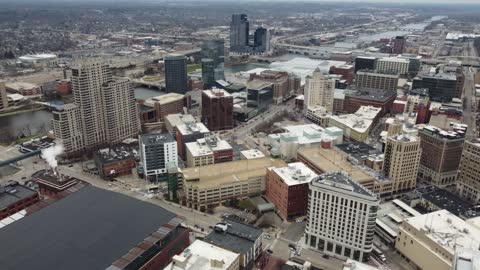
(156, 152)
(468, 184)
(176, 73)
(208, 73)
(319, 91)
(261, 40)
(441, 154)
(393, 65)
(341, 216)
(213, 58)
(365, 63)
(217, 109)
(3, 97)
(379, 81)
(399, 45)
(402, 159)
(442, 86)
(68, 129)
(104, 111)
(239, 27)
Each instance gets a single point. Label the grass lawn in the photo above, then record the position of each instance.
(26, 139)
(194, 67)
(152, 78)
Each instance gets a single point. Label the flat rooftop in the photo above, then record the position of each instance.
(449, 201)
(328, 160)
(178, 119)
(199, 256)
(358, 150)
(295, 174)
(446, 229)
(252, 154)
(89, 229)
(12, 193)
(206, 146)
(156, 138)
(164, 99)
(239, 237)
(216, 93)
(371, 94)
(112, 155)
(191, 128)
(341, 180)
(359, 121)
(227, 172)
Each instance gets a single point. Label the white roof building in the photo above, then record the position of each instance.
(251, 154)
(295, 174)
(204, 256)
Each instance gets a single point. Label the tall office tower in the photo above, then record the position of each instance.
(239, 27)
(156, 152)
(319, 91)
(121, 111)
(468, 184)
(399, 44)
(365, 63)
(442, 86)
(341, 216)
(402, 159)
(88, 77)
(68, 129)
(176, 73)
(441, 154)
(379, 81)
(261, 40)
(217, 109)
(214, 49)
(3, 97)
(208, 73)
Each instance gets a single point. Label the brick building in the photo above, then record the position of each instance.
(217, 109)
(156, 108)
(15, 197)
(284, 86)
(112, 162)
(50, 184)
(369, 97)
(346, 71)
(63, 87)
(287, 189)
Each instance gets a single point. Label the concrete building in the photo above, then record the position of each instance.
(465, 259)
(251, 154)
(201, 255)
(365, 63)
(217, 109)
(287, 189)
(341, 217)
(239, 238)
(156, 152)
(208, 150)
(186, 133)
(208, 186)
(353, 100)
(15, 198)
(101, 239)
(418, 102)
(107, 111)
(298, 136)
(155, 109)
(24, 88)
(393, 65)
(112, 162)
(441, 154)
(68, 129)
(468, 184)
(285, 84)
(372, 80)
(319, 90)
(356, 126)
(430, 241)
(174, 120)
(176, 73)
(402, 159)
(3, 97)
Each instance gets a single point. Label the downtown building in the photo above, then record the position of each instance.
(468, 183)
(442, 87)
(240, 40)
(341, 217)
(319, 91)
(104, 111)
(176, 78)
(284, 85)
(393, 65)
(157, 152)
(441, 154)
(217, 109)
(379, 81)
(208, 150)
(3, 97)
(213, 58)
(365, 63)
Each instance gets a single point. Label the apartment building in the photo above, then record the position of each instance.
(468, 184)
(441, 154)
(374, 80)
(393, 65)
(287, 189)
(430, 241)
(157, 151)
(67, 127)
(209, 186)
(402, 159)
(319, 91)
(341, 217)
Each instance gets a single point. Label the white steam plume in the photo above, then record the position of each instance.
(50, 155)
